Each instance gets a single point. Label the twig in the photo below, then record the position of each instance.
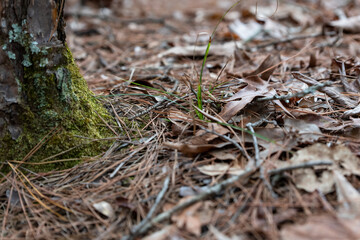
(290, 39)
(160, 196)
(232, 141)
(217, 189)
(301, 94)
(331, 92)
(256, 146)
(259, 162)
(175, 100)
(176, 84)
(204, 195)
(123, 162)
(298, 166)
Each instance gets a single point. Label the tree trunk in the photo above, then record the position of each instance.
(42, 93)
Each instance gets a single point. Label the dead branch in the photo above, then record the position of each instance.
(300, 94)
(331, 92)
(216, 189)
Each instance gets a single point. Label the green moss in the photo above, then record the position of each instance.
(55, 96)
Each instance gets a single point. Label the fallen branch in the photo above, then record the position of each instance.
(258, 161)
(284, 40)
(148, 217)
(331, 92)
(298, 166)
(216, 189)
(301, 94)
(251, 161)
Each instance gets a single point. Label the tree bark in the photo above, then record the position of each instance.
(41, 89)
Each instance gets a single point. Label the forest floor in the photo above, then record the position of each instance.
(269, 149)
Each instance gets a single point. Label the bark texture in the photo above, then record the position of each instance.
(41, 89)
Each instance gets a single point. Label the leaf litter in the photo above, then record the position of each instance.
(275, 157)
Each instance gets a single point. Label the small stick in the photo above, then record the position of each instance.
(259, 162)
(298, 166)
(301, 94)
(215, 190)
(232, 141)
(176, 84)
(331, 92)
(160, 196)
(204, 195)
(289, 39)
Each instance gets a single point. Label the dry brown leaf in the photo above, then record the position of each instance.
(189, 148)
(223, 154)
(323, 227)
(220, 236)
(256, 87)
(163, 234)
(347, 196)
(307, 132)
(332, 92)
(220, 169)
(189, 218)
(307, 179)
(214, 127)
(193, 224)
(266, 68)
(177, 115)
(352, 112)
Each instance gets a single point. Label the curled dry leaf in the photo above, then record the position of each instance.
(104, 208)
(199, 143)
(191, 149)
(256, 87)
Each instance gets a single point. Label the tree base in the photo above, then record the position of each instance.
(60, 114)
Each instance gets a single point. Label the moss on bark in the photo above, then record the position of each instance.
(52, 96)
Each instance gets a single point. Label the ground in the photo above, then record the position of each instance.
(269, 151)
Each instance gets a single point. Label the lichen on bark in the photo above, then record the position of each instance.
(42, 91)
